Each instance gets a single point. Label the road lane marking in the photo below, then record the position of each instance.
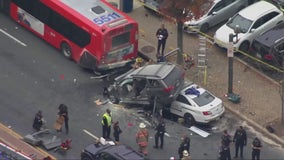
(90, 134)
(12, 37)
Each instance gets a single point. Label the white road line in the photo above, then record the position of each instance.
(15, 39)
(90, 134)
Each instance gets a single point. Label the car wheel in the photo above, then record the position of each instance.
(204, 27)
(244, 47)
(189, 120)
(66, 50)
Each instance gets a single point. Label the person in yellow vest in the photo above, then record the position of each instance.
(106, 124)
(142, 137)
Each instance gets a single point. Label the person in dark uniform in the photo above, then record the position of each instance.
(63, 111)
(162, 35)
(256, 147)
(185, 145)
(38, 121)
(240, 139)
(116, 132)
(160, 131)
(106, 124)
(224, 151)
(226, 141)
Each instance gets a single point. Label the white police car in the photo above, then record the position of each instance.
(195, 104)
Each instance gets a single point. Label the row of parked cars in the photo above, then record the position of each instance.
(256, 24)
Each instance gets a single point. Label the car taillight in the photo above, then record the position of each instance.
(207, 113)
(169, 89)
(268, 57)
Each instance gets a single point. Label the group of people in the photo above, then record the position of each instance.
(62, 117)
(107, 122)
(240, 140)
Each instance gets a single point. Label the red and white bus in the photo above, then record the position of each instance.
(93, 33)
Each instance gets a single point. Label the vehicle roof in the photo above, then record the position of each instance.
(158, 71)
(90, 9)
(191, 96)
(122, 151)
(271, 36)
(253, 11)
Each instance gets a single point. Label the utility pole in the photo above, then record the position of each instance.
(230, 51)
(282, 99)
(230, 64)
(180, 60)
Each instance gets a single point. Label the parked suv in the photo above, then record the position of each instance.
(110, 152)
(269, 46)
(142, 85)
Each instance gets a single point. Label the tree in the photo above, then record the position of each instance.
(180, 11)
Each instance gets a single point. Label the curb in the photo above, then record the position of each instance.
(256, 126)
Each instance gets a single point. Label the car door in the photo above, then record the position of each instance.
(181, 106)
(264, 23)
(215, 15)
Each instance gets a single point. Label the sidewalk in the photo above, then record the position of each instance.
(260, 99)
(14, 140)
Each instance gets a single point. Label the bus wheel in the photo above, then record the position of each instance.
(66, 50)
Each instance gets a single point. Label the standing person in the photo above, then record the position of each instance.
(160, 131)
(226, 141)
(162, 35)
(256, 147)
(38, 121)
(63, 111)
(240, 139)
(116, 132)
(224, 152)
(142, 137)
(185, 155)
(185, 145)
(106, 124)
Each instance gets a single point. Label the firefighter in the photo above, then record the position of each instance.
(142, 137)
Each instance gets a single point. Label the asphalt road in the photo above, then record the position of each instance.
(36, 76)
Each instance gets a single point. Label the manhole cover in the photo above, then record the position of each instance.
(147, 49)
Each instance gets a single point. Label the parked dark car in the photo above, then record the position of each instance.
(269, 46)
(110, 152)
(278, 3)
(142, 85)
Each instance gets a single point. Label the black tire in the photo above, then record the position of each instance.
(66, 50)
(204, 28)
(189, 120)
(244, 47)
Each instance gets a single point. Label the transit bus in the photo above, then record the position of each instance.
(93, 33)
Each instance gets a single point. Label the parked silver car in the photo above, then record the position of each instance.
(213, 13)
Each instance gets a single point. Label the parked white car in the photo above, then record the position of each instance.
(195, 104)
(248, 23)
(214, 12)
